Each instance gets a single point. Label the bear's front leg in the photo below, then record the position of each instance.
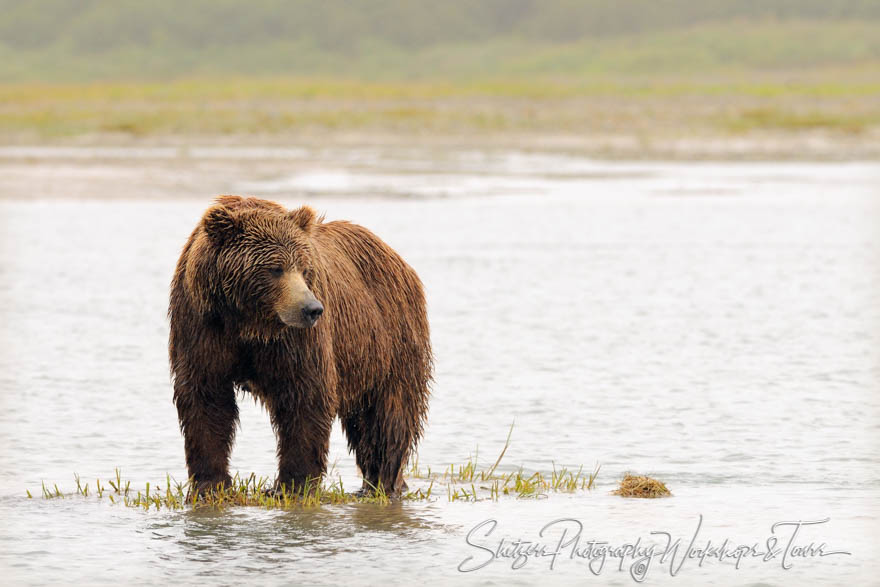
(208, 415)
(303, 431)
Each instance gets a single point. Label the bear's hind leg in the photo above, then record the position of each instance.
(303, 443)
(382, 435)
(358, 432)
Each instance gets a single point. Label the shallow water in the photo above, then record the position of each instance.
(713, 325)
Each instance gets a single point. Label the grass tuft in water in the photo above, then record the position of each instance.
(464, 482)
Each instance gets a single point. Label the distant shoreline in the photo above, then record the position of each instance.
(764, 145)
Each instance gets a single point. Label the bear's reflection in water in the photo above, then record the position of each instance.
(209, 535)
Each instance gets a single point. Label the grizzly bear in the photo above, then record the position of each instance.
(316, 320)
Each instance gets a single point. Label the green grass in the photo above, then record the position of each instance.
(837, 100)
(777, 119)
(139, 76)
(704, 48)
(463, 482)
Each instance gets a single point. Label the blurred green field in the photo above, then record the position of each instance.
(706, 48)
(839, 101)
(116, 68)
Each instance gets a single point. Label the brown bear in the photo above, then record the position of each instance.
(316, 320)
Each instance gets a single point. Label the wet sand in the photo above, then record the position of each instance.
(119, 167)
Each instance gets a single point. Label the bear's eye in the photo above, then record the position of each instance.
(276, 271)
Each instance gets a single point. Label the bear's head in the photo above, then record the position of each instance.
(254, 259)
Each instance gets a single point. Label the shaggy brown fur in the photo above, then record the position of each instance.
(235, 318)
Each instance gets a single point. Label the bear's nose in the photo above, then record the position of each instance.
(312, 311)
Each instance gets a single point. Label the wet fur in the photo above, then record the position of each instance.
(367, 360)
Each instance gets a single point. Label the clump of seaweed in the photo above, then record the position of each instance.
(641, 486)
(463, 482)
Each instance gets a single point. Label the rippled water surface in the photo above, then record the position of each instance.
(716, 326)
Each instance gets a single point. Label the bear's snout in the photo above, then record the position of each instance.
(312, 311)
(302, 316)
(297, 306)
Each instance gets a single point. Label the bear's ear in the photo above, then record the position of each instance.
(304, 217)
(220, 224)
(230, 201)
